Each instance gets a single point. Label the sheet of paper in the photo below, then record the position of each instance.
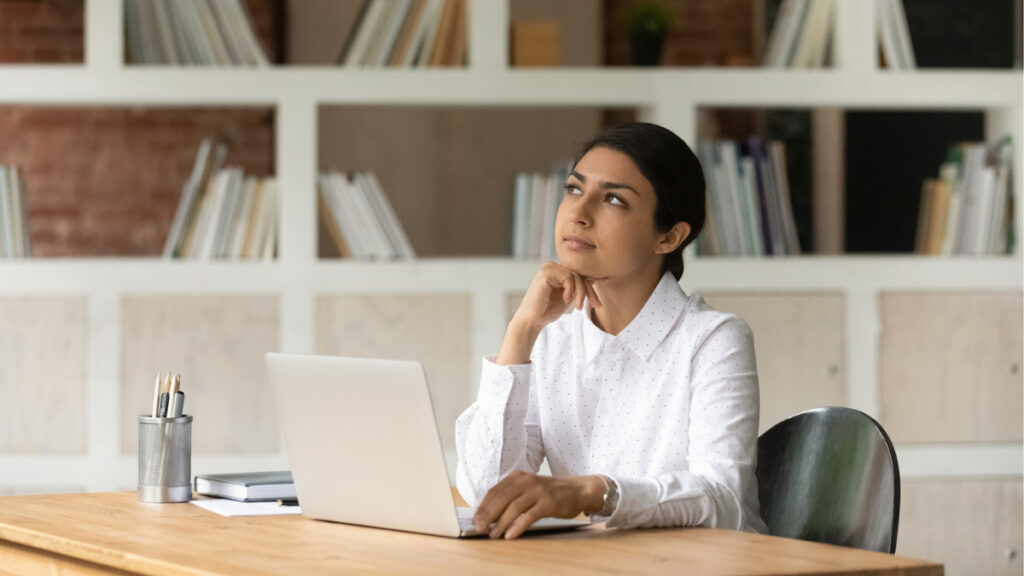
(226, 507)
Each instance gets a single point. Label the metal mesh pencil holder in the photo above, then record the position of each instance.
(165, 459)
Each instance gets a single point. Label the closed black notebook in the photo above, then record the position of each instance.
(247, 486)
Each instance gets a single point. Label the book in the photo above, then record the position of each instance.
(246, 486)
(5, 217)
(389, 34)
(403, 43)
(441, 49)
(400, 242)
(369, 20)
(814, 34)
(536, 43)
(189, 194)
(419, 45)
(785, 31)
(19, 212)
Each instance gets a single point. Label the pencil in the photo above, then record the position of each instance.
(172, 399)
(156, 396)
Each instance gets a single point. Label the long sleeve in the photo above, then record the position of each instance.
(500, 432)
(723, 445)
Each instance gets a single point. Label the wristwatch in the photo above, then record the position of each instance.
(611, 497)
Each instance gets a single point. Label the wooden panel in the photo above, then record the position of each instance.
(972, 526)
(43, 374)
(434, 329)
(950, 367)
(114, 530)
(798, 339)
(217, 343)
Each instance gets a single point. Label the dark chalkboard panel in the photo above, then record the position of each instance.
(888, 156)
(963, 33)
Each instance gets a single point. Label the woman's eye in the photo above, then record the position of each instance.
(615, 200)
(571, 189)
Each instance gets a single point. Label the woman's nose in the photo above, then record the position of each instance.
(581, 212)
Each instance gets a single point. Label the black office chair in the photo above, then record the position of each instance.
(830, 475)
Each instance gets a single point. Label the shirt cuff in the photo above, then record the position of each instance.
(504, 385)
(634, 494)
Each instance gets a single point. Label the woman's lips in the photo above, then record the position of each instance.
(576, 243)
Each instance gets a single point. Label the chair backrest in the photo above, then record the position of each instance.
(830, 475)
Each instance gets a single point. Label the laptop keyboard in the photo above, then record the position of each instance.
(465, 517)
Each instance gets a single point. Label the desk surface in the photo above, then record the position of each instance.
(95, 533)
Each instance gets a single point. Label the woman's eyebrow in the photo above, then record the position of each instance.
(604, 185)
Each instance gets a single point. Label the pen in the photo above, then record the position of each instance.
(156, 397)
(287, 501)
(179, 404)
(162, 408)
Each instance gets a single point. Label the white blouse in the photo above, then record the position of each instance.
(668, 409)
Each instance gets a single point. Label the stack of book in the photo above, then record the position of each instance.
(191, 32)
(749, 212)
(13, 214)
(894, 34)
(359, 219)
(223, 213)
(968, 209)
(801, 34)
(536, 198)
(408, 33)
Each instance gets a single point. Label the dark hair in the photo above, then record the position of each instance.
(673, 171)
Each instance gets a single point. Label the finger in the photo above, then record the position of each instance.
(595, 300)
(496, 500)
(515, 508)
(491, 506)
(523, 522)
(581, 291)
(568, 289)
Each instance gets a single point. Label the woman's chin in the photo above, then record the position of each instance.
(582, 264)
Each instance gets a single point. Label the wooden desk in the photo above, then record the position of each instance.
(112, 533)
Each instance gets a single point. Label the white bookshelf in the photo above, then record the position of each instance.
(671, 97)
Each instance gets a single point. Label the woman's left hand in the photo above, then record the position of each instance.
(521, 499)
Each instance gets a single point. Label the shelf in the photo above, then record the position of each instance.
(573, 86)
(798, 273)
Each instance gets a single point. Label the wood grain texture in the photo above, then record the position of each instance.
(217, 343)
(798, 340)
(19, 560)
(433, 329)
(951, 366)
(973, 526)
(43, 374)
(114, 530)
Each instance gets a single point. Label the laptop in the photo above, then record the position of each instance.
(363, 445)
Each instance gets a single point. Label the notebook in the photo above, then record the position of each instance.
(246, 486)
(363, 445)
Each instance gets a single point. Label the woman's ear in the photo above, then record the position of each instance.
(673, 238)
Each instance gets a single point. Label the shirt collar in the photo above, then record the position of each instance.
(651, 325)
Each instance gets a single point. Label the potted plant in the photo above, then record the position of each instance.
(647, 24)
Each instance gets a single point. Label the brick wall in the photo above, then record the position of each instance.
(703, 33)
(42, 31)
(106, 181)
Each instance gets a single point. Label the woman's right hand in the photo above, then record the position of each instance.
(553, 288)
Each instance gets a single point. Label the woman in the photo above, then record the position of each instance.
(644, 400)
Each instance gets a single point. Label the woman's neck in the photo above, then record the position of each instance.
(621, 301)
